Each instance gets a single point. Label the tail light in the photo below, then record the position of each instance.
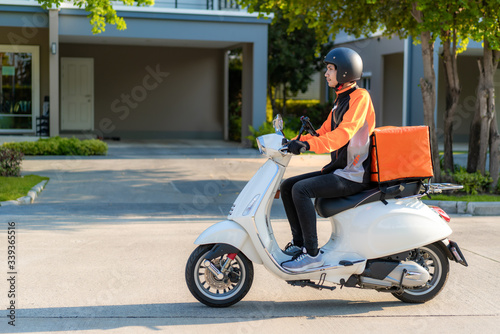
(441, 213)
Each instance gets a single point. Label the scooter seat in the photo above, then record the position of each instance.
(327, 207)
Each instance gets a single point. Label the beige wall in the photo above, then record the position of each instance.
(31, 36)
(469, 76)
(184, 99)
(372, 51)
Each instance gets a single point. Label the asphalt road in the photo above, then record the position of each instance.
(105, 245)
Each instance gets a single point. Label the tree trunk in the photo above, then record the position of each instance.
(452, 96)
(484, 114)
(494, 152)
(494, 142)
(272, 98)
(427, 85)
(474, 133)
(484, 135)
(284, 98)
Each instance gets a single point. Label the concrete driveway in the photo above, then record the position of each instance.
(105, 245)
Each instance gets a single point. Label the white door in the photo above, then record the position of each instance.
(77, 93)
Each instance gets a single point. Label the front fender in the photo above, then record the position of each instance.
(230, 232)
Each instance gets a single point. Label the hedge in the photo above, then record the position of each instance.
(60, 146)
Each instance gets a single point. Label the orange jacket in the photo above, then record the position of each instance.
(346, 134)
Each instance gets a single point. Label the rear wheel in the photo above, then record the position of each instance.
(432, 258)
(218, 291)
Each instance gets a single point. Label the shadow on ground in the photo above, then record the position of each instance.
(177, 314)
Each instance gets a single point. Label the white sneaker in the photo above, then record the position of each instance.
(304, 262)
(292, 250)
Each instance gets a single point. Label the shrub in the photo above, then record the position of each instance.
(267, 128)
(474, 183)
(60, 146)
(10, 162)
(316, 111)
(235, 128)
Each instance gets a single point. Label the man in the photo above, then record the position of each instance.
(346, 135)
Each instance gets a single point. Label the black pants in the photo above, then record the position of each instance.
(296, 193)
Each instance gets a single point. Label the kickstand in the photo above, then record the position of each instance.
(306, 282)
(321, 281)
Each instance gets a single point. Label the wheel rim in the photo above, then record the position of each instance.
(219, 289)
(429, 260)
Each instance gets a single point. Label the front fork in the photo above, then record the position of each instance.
(224, 268)
(220, 250)
(230, 258)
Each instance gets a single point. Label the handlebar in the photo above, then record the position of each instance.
(306, 126)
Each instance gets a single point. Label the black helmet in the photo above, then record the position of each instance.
(347, 62)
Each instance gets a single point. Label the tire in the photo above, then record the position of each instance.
(432, 258)
(210, 290)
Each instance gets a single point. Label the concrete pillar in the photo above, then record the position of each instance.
(407, 78)
(54, 71)
(259, 82)
(323, 88)
(253, 87)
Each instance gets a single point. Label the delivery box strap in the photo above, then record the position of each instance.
(392, 191)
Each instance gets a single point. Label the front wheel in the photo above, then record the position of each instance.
(218, 291)
(432, 258)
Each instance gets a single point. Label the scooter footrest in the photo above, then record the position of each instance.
(346, 263)
(306, 282)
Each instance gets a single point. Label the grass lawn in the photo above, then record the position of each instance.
(11, 188)
(466, 198)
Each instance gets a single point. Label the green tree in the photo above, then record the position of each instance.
(291, 61)
(485, 26)
(446, 19)
(413, 18)
(426, 20)
(454, 21)
(360, 18)
(449, 57)
(101, 12)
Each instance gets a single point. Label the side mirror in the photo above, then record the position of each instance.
(278, 123)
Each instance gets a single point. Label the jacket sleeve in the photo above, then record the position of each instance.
(352, 121)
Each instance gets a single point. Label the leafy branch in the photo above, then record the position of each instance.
(101, 12)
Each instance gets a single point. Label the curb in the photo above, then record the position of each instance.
(29, 198)
(470, 208)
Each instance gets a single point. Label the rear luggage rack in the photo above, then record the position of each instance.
(437, 188)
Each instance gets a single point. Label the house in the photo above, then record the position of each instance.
(165, 76)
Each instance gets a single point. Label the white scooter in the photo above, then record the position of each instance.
(395, 244)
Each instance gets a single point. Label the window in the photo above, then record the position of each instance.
(19, 82)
